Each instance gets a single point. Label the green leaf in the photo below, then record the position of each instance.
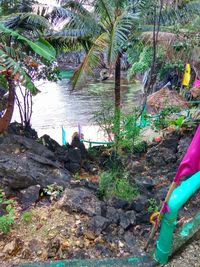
(41, 46)
(44, 49)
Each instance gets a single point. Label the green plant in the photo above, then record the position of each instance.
(163, 120)
(143, 64)
(125, 190)
(130, 132)
(7, 209)
(115, 183)
(27, 216)
(53, 190)
(104, 117)
(152, 205)
(77, 176)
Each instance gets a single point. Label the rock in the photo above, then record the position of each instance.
(98, 223)
(71, 157)
(24, 163)
(127, 219)
(118, 203)
(29, 196)
(80, 200)
(130, 241)
(144, 183)
(182, 147)
(161, 193)
(30, 145)
(140, 204)
(50, 143)
(76, 143)
(136, 167)
(18, 129)
(160, 156)
(170, 141)
(34, 245)
(14, 247)
(73, 163)
(53, 248)
(26, 254)
(91, 235)
(23, 171)
(90, 167)
(84, 183)
(143, 217)
(171, 174)
(112, 214)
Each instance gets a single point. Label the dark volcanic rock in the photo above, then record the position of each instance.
(127, 219)
(22, 171)
(170, 142)
(70, 156)
(144, 183)
(29, 196)
(112, 214)
(160, 156)
(182, 147)
(143, 217)
(130, 241)
(140, 204)
(18, 129)
(136, 167)
(80, 200)
(24, 144)
(24, 163)
(161, 193)
(76, 143)
(50, 143)
(118, 203)
(98, 223)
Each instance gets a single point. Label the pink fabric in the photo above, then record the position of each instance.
(165, 208)
(196, 83)
(191, 161)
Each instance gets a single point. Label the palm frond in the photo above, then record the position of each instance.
(92, 59)
(105, 10)
(119, 35)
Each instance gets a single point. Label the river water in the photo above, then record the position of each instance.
(56, 106)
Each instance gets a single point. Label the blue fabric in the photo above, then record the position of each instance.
(64, 141)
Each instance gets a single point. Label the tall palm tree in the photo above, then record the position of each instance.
(104, 30)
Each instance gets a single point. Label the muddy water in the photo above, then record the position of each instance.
(56, 106)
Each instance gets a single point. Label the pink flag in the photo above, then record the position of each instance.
(191, 161)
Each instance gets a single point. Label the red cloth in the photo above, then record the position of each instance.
(191, 161)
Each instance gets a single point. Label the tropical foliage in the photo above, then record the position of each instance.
(15, 65)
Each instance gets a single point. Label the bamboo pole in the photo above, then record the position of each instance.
(156, 225)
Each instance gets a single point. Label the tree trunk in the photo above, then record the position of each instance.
(5, 120)
(117, 97)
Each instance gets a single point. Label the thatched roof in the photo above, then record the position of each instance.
(165, 98)
(165, 38)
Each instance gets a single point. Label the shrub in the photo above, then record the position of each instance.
(53, 190)
(27, 216)
(152, 205)
(7, 208)
(115, 183)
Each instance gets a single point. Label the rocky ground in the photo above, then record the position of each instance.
(79, 224)
(189, 257)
